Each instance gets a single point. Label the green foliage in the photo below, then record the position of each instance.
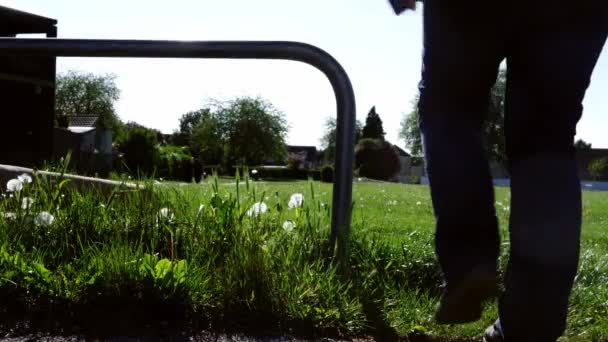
(373, 126)
(327, 174)
(176, 163)
(140, 151)
(582, 145)
(208, 138)
(158, 248)
(189, 121)
(124, 256)
(294, 162)
(186, 134)
(376, 159)
(254, 130)
(62, 121)
(167, 276)
(598, 168)
(242, 131)
(410, 130)
(493, 129)
(81, 93)
(328, 141)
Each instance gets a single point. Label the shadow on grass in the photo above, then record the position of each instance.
(115, 320)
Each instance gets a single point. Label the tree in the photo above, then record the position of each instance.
(376, 159)
(410, 130)
(207, 138)
(80, 93)
(254, 130)
(243, 131)
(124, 128)
(493, 130)
(187, 125)
(190, 120)
(328, 141)
(582, 145)
(598, 168)
(373, 126)
(140, 149)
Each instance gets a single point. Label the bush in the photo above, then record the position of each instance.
(376, 159)
(294, 162)
(327, 174)
(598, 168)
(209, 170)
(176, 163)
(140, 151)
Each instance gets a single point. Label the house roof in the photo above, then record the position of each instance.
(401, 151)
(83, 121)
(295, 149)
(13, 22)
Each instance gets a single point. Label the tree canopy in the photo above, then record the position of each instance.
(493, 130)
(242, 131)
(373, 126)
(81, 93)
(582, 145)
(328, 141)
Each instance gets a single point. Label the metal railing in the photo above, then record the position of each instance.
(345, 99)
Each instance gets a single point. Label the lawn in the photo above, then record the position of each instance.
(157, 256)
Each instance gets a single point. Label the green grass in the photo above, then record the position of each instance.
(221, 265)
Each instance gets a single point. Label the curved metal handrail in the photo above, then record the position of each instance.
(345, 99)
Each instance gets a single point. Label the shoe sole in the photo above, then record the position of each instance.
(464, 303)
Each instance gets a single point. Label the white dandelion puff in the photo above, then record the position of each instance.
(26, 203)
(257, 209)
(25, 178)
(14, 185)
(45, 219)
(296, 200)
(10, 216)
(289, 225)
(165, 214)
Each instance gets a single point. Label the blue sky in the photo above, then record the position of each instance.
(380, 51)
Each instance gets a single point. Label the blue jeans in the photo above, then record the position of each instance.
(551, 50)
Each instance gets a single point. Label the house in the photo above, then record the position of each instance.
(88, 141)
(308, 156)
(27, 85)
(405, 166)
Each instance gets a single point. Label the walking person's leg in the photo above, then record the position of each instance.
(462, 53)
(549, 70)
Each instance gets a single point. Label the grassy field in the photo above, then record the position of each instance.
(161, 255)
